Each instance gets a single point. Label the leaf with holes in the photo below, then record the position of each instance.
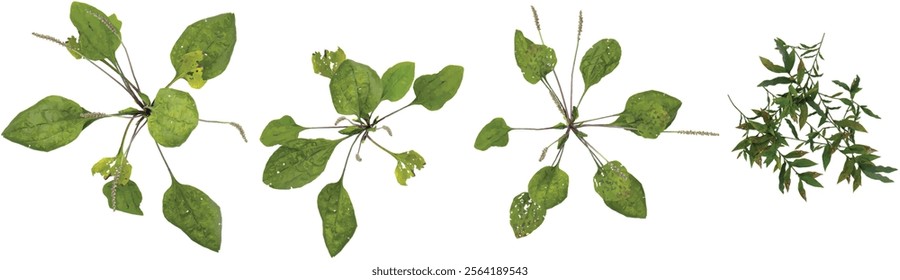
(620, 190)
(648, 113)
(194, 213)
(215, 37)
(525, 215)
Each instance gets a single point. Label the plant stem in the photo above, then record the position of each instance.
(394, 112)
(591, 148)
(350, 151)
(125, 134)
(382, 147)
(327, 127)
(173, 81)
(595, 119)
(137, 128)
(529, 128)
(164, 161)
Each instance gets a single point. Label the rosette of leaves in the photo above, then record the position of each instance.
(356, 91)
(646, 114)
(200, 54)
(803, 123)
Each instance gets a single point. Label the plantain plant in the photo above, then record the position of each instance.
(200, 54)
(647, 114)
(356, 91)
(819, 123)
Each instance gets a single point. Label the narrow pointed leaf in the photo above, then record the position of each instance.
(52, 122)
(174, 116)
(434, 90)
(338, 217)
(194, 213)
(525, 216)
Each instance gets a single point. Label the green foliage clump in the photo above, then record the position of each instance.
(356, 91)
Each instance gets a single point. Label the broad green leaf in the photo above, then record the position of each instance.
(620, 190)
(433, 90)
(600, 60)
(280, 131)
(549, 186)
(194, 213)
(298, 162)
(525, 216)
(338, 217)
(215, 37)
(128, 197)
(109, 166)
(771, 66)
(648, 113)
(98, 34)
(355, 89)
(775, 81)
(173, 117)
(407, 163)
(397, 80)
(494, 134)
(535, 61)
(51, 123)
(327, 64)
(190, 68)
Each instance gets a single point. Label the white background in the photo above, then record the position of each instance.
(710, 216)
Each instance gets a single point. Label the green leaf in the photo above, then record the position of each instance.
(280, 131)
(432, 91)
(854, 87)
(851, 124)
(174, 116)
(600, 60)
(338, 217)
(775, 81)
(355, 89)
(189, 68)
(51, 123)
(298, 162)
(494, 134)
(869, 112)
(771, 66)
(525, 215)
(215, 38)
(795, 154)
(128, 197)
(407, 163)
(549, 186)
(620, 190)
(194, 213)
(98, 37)
(801, 163)
(327, 64)
(810, 178)
(801, 72)
(841, 84)
(648, 113)
(535, 61)
(144, 98)
(787, 58)
(350, 130)
(397, 80)
(107, 167)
